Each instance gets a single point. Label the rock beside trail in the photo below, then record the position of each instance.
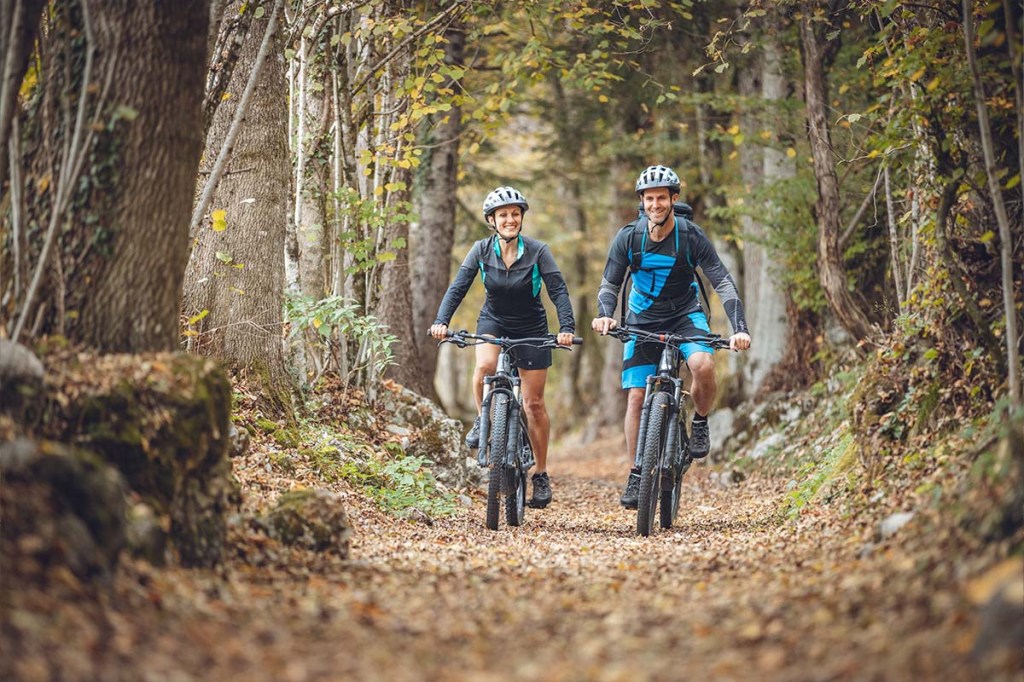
(162, 420)
(62, 507)
(432, 434)
(311, 519)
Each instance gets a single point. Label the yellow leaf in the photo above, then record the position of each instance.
(733, 130)
(602, 99)
(317, 322)
(916, 76)
(791, 153)
(226, 96)
(190, 332)
(219, 220)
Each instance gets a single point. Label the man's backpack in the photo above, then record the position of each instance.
(637, 227)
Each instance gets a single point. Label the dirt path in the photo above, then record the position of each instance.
(573, 594)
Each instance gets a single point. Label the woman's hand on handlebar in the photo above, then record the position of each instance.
(439, 331)
(739, 341)
(603, 325)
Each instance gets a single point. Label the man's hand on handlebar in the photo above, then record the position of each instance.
(565, 338)
(739, 341)
(603, 325)
(438, 331)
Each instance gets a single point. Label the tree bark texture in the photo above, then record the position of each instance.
(433, 234)
(396, 308)
(763, 298)
(831, 269)
(113, 280)
(19, 23)
(237, 274)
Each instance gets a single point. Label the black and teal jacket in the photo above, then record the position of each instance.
(513, 294)
(664, 285)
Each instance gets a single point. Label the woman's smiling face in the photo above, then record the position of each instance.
(508, 220)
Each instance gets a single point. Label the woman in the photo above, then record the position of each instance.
(512, 268)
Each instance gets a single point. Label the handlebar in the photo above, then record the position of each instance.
(462, 338)
(625, 333)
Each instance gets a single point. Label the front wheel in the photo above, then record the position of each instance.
(650, 466)
(497, 444)
(670, 498)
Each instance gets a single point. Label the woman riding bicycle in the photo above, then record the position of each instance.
(512, 268)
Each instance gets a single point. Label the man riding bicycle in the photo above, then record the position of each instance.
(663, 251)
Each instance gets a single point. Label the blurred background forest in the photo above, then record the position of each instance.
(289, 186)
(226, 226)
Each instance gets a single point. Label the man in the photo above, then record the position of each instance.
(663, 251)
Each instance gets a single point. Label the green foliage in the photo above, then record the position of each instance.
(399, 482)
(839, 460)
(325, 323)
(372, 218)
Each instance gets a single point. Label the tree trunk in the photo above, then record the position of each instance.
(831, 269)
(19, 22)
(111, 278)
(237, 274)
(395, 307)
(432, 236)
(763, 298)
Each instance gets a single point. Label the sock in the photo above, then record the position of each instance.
(699, 418)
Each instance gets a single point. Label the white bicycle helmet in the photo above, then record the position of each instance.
(504, 196)
(658, 176)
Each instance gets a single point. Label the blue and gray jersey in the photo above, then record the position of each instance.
(513, 293)
(665, 286)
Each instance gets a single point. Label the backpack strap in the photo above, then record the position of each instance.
(682, 213)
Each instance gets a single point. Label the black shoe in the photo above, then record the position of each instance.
(700, 438)
(541, 490)
(632, 492)
(473, 437)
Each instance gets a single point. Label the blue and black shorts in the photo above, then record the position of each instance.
(526, 357)
(640, 359)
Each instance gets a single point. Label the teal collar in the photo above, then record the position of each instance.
(519, 249)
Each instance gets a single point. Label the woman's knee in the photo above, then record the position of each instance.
(534, 406)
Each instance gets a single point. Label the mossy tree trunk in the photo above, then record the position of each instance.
(236, 273)
(112, 139)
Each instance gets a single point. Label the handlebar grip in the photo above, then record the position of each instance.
(577, 340)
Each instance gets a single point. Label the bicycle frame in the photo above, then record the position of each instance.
(510, 456)
(505, 380)
(663, 462)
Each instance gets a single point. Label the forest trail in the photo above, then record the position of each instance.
(574, 594)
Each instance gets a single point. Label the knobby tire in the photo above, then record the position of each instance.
(670, 498)
(650, 469)
(498, 442)
(515, 493)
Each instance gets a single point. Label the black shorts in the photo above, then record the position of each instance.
(526, 357)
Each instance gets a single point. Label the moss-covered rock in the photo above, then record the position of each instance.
(60, 507)
(435, 437)
(21, 383)
(163, 421)
(313, 519)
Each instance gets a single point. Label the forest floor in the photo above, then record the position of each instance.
(732, 592)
